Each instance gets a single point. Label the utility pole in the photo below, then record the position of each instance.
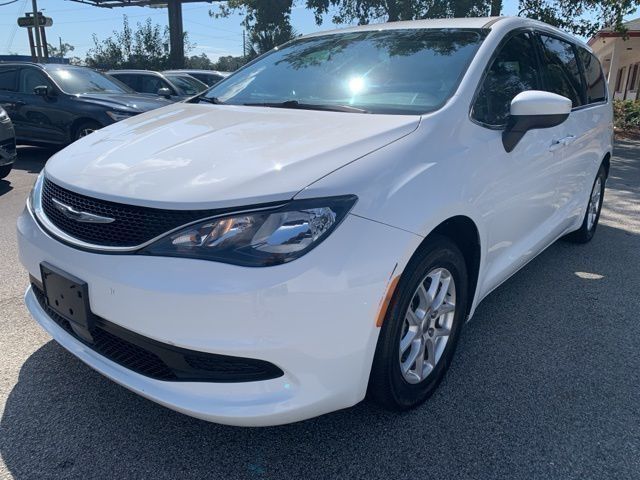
(244, 47)
(36, 27)
(176, 35)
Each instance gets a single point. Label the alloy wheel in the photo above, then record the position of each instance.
(427, 325)
(594, 204)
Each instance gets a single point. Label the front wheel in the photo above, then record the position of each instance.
(421, 327)
(592, 216)
(86, 128)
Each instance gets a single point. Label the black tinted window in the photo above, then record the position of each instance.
(561, 69)
(151, 84)
(593, 76)
(8, 78)
(31, 78)
(513, 71)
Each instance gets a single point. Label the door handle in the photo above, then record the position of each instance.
(562, 142)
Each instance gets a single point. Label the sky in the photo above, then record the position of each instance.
(75, 24)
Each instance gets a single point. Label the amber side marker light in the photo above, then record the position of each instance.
(384, 305)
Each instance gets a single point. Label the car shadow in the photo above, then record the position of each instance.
(5, 186)
(32, 159)
(544, 385)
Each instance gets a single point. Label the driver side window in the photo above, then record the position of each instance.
(31, 78)
(514, 70)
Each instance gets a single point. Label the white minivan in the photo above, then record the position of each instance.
(320, 224)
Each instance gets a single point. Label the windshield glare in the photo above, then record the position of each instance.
(408, 71)
(84, 80)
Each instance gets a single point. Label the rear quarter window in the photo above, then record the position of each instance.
(594, 78)
(560, 66)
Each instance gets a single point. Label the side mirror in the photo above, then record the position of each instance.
(164, 92)
(42, 90)
(531, 110)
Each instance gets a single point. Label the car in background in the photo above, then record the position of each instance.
(210, 77)
(7, 144)
(175, 86)
(53, 105)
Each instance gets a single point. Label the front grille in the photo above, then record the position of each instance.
(133, 225)
(161, 361)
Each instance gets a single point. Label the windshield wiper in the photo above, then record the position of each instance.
(213, 100)
(309, 106)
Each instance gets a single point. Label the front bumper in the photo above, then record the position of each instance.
(314, 318)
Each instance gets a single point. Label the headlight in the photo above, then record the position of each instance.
(117, 116)
(3, 116)
(260, 238)
(34, 196)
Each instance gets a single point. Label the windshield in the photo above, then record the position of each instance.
(408, 71)
(84, 80)
(186, 84)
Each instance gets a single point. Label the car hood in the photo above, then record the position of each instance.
(126, 101)
(207, 156)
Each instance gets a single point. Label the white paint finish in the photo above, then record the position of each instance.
(313, 317)
(536, 102)
(208, 156)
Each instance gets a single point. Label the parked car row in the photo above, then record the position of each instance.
(170, 85)
(54, 105)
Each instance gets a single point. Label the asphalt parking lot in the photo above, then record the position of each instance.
(546, 383)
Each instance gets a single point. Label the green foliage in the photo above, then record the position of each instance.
(268, 23)
(626, 114)
(229, 63)
(581, 17)
(62, 51)
(366, 11)
(199, 62)
(145, 47)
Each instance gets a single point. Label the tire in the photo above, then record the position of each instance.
(5, 169)
(591, 217)
(85, 128)
(394, 382)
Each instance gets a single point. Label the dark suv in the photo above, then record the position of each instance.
(57, 104)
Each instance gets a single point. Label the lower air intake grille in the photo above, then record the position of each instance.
(161, 361)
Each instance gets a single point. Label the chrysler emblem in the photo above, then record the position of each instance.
(83, 217)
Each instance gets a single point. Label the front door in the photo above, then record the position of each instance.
(518, 197)
(39, 118)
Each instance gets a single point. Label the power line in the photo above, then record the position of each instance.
(15, 26)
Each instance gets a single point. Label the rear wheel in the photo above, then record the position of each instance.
(421, 328)
(592, 216)
(86, 128)
(5, 169)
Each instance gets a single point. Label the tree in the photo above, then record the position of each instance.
(366, 11)
(581, 17)
(199, 62)
(62, 51)
(267, 23)
(146, 47)
(229, 63)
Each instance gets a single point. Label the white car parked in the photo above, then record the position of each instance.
(320, 224)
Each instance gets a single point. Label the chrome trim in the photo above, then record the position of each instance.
(34, 204)
(83, 217)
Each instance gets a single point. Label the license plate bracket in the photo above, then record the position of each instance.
(67, 295)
